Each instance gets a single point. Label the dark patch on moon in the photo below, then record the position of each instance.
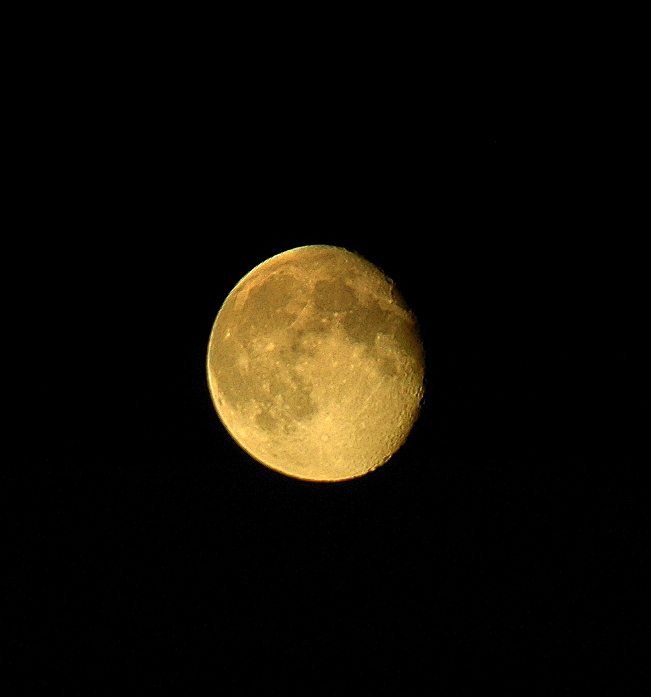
(334, 296)
(316, 321)
(387, 366)
(262, 382)
(307, 343)
(362, 325)
(266, 421)
(265, 301)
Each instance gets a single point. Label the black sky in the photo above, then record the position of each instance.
(498, 536)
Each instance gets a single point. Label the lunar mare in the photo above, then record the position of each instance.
(315, 366)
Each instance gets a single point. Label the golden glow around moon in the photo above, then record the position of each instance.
(315, 366)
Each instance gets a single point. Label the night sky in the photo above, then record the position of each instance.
(494, 544)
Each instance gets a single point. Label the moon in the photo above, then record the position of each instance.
(315, 365)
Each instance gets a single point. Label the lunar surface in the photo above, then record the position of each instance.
(315, 365)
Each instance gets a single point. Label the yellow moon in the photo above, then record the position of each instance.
(315, 365)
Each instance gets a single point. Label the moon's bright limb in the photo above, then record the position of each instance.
(315, 365)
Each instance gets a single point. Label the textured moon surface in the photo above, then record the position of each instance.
(315, 365)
